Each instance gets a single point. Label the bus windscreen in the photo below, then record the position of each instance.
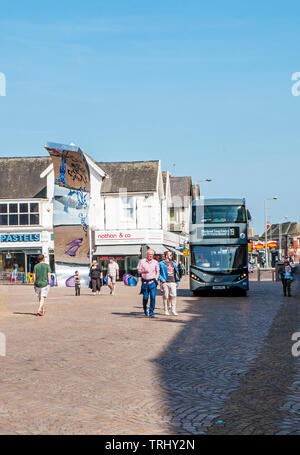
(225, 259)
(216, 214)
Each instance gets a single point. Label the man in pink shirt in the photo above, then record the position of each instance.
(149, 270)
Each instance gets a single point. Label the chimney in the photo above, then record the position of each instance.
(195, 192)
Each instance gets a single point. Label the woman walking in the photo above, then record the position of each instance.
(95, 277)
(286, 278)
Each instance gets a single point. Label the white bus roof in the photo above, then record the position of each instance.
(227, 201)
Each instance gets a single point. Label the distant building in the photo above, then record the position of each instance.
(180, 207)
(289, 232)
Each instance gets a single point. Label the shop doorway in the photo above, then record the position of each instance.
(52, 262)
(32, 259)
(127, 264)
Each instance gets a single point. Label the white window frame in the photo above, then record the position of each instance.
(19, 213)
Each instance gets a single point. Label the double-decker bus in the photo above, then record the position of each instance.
(219, 245)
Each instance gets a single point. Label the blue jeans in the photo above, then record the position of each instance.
(146, 290)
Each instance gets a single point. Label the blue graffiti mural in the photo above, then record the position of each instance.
(70, 211)
(81, 198)
(62, 170)
(83, 218)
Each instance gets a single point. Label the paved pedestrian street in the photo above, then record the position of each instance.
(97, 365)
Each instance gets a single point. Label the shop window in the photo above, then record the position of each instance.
(19, 214)
(12, 260)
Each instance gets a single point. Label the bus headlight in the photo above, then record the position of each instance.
(195, 277)
(241, 277)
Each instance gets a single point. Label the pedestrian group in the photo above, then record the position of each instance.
(165, 273)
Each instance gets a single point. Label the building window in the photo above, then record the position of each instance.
(127, 208)
(19, 214)
(172, 214)
(291, 242)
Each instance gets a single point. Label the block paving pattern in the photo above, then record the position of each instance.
(97, 365)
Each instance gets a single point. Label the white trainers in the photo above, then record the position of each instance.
(174, 313)
(166, 313)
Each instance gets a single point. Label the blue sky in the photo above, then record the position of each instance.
(204, 85)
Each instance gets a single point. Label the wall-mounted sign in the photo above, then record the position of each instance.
(116, 258)
(130, 236)
(6, 238)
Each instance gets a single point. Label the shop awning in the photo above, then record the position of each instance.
(118, 250)
(174, 250)
(158, 249)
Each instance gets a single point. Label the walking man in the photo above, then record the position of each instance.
(149, 270)
(41, 281)
(169, 277)
(112, 275)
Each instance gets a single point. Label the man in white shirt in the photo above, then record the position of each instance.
(112, 275)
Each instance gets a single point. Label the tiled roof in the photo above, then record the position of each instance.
(135, 176)
(20, 177)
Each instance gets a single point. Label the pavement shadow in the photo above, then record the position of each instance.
(130, 314)
(229, 372)
(159, 317)
(26, 314)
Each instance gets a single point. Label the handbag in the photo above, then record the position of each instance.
(176, 274)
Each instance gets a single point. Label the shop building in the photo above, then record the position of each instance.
(25, 215)
(135, 214)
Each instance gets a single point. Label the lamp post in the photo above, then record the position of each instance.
(200, 181)
(280, 234)
(266, 230)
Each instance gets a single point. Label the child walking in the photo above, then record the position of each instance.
(77, 283)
